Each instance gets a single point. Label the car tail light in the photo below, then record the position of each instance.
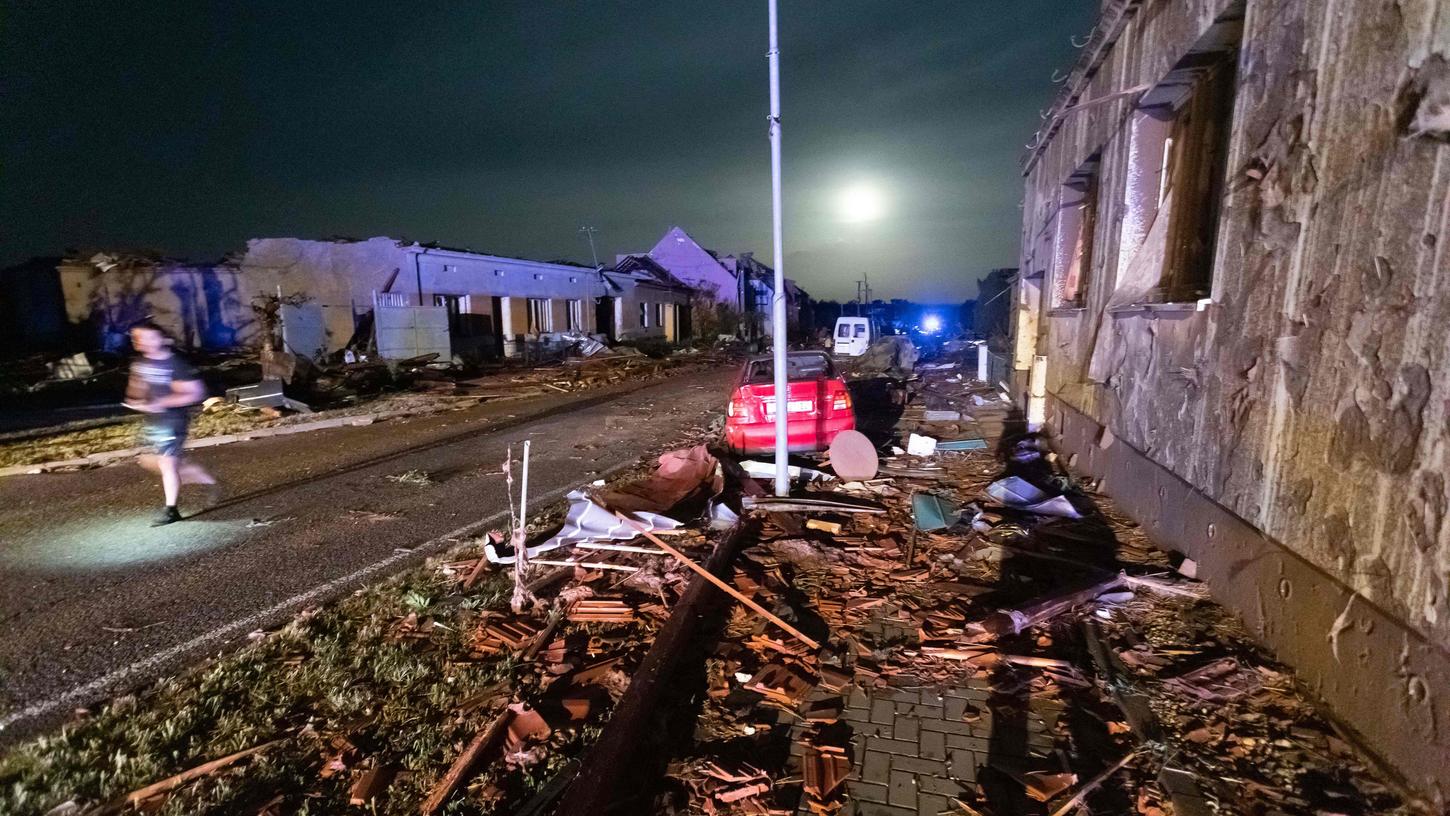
(840, 397)
(747, 406)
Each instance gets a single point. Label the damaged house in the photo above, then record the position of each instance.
(1234, 304)
(741, 282)
(413, 298)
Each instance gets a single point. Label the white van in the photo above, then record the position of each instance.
(853, 336)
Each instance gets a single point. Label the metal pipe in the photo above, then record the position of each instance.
(782, 383)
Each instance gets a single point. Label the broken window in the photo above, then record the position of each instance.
(644, 315)
(575, 314)
(455, 304)
(1178, 149)
(798, 366)
(659, 314)
(540, 316)
(1072, 254)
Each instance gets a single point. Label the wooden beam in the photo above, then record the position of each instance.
(463, 765)
(726, 588)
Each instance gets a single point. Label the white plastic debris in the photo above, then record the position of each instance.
(721, 516)
(585, 522)
(1017, 492)
(766, 470)
(918, 445)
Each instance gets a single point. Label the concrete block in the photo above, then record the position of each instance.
(866, 791)
(882, 711)
(930, 804)
(941, 786)
(946, 727)
(891, 746)
(876, 767)
(905, 728)
(918, 765)
(902, 789)
(933, 744)
(969, 743)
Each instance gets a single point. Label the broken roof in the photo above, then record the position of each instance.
(643, 267)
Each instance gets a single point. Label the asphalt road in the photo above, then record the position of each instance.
(93, 601)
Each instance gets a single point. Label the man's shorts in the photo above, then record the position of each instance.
(164, 437)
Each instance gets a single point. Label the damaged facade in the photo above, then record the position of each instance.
(1235, 267)
(491, 305)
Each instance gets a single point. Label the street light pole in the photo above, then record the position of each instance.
(782, 382)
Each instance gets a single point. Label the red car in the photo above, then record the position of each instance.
(818, 406)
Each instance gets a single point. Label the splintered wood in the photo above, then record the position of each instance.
(504, 634)
(988, 609)
(601, 610)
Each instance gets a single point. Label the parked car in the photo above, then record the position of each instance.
(818, 405)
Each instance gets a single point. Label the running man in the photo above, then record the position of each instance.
(164, 386)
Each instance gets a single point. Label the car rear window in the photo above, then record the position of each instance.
(798, 367)
(860, 330)
(844, 330)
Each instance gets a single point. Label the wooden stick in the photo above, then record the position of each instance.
(556, 617)
(1094, 783)
(476, 571)
(465, 762)
(1016, 621)
(586, 564)
(629, 548)
(1038, 662)
(710, 576)
(204, 769)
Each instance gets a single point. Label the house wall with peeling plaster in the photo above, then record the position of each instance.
(210, 305)
(1311, 395)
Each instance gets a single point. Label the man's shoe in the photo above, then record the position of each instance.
(213, 495)
(168, 516)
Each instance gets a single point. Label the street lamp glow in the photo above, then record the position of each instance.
(931, 324)
(860, 203)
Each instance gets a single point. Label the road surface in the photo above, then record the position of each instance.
(93, 601)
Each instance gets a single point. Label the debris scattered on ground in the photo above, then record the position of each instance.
(412, 478)
(1059, 660)
(973, 632)
(376, 388)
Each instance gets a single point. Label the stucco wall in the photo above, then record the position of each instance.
(648, 294)
(1312, 396)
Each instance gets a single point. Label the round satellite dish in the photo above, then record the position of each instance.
(853, 457)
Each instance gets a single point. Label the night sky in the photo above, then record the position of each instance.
(188, 127)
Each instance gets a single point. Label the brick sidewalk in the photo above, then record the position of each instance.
(915, 748)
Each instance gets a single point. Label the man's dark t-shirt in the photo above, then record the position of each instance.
(156, 377)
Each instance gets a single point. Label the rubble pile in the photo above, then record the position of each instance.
(967, 631)
(426, 695)
(1013, 611)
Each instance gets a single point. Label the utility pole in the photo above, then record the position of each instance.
(589, 231)
(782, 383)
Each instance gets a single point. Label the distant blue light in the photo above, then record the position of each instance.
(931, 324)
